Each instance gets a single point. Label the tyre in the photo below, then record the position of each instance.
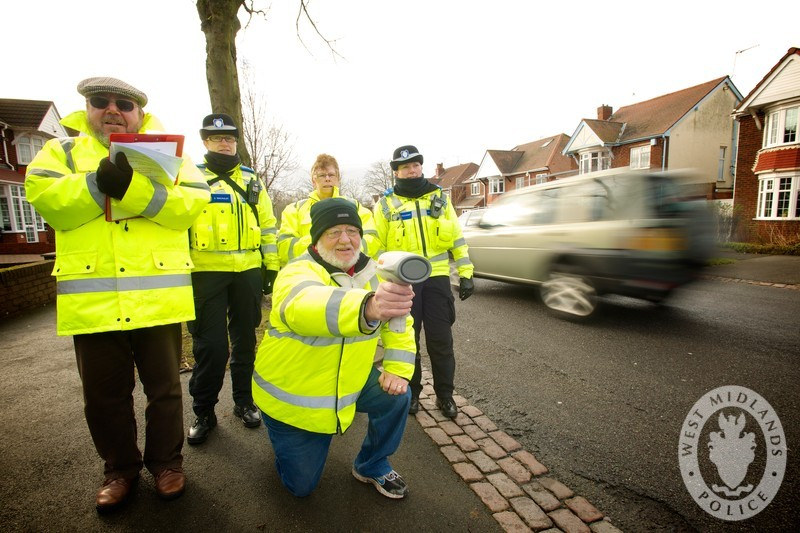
(569, 295)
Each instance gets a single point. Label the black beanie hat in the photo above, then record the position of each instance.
(332, 212)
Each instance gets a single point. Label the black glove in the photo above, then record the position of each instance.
(112, 179)
(267, 279)
(465, 288)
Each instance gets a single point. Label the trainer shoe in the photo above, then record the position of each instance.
(390, 485)
(413, 407)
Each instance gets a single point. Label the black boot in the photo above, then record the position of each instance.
(248, 414)
(447, 406)
(202, 426)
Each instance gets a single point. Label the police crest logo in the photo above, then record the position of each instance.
(732, 453)
(218, 123)
(404, 154)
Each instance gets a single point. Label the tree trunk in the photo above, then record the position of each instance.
(220, 23)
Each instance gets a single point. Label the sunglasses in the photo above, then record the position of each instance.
(99, 102)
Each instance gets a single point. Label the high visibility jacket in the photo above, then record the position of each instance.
(406, 224)
(316, 357)
(120, 275)
(294, 235)
(227, 236)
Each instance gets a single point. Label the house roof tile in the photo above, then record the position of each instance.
(656, 116)
(536, 155)
(26, 114)
(746, 100)
(787, 158)
(456, 175)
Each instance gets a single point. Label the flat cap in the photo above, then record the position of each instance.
(92, 86)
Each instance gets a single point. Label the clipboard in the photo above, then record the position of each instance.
(174, 147)
(149, 138)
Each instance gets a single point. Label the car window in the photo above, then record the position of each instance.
(533, 208)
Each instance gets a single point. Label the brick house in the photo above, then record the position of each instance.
(453, 181)
(687, 129)
(25, 125)
(767, 193)
(524, 165)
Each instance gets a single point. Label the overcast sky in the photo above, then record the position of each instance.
(453, 77)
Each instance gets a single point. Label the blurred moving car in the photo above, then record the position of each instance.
(471, 217)
(610, 232)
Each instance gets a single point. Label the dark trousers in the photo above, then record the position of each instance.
(434, 309)
(106, 367)
(224, 302)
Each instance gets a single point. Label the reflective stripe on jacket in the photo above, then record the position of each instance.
(406, 224)
(294, 235)
(121, 275)
(315, 358)
(226, 237)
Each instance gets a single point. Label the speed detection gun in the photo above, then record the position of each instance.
(404, 268)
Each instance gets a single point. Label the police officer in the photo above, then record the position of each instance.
(294, 233)
(235, 260)
(124, 286)
(416, 216)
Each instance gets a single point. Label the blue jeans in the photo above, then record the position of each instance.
(300, 455)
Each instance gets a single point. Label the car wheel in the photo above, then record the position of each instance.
(569, 295)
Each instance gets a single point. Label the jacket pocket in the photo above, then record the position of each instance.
(444, 232)
(71, 264)
(172, 260)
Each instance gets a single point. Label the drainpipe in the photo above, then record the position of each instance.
(734, 150)
(5, 147)
(664, 138)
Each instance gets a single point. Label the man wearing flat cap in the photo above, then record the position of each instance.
(416, 216)
(317, 365)
(233, 242)
(123, 287)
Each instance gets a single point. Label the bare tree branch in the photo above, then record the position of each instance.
(303, 10)
(377, 179)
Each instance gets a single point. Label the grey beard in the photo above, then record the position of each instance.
(329, 256)
(100, 136)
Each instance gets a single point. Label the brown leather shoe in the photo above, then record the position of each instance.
(170, 483)
(113, 493)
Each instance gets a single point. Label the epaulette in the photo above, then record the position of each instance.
(389, 191)
(201, 166)
(248, 169)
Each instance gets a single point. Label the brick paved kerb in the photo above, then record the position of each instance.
(516, 488)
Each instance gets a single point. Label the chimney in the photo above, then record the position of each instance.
(604, 112)
(439, 170)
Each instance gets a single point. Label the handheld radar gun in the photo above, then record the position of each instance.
(405, 268)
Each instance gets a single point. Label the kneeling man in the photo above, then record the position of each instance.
(317, 364)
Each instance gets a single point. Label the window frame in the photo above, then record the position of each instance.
(638, 153)
(602, 158)
(497, 185)
(33, 143)
(24, 218)
(777, 195)
(775, 128)
(475, 189)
